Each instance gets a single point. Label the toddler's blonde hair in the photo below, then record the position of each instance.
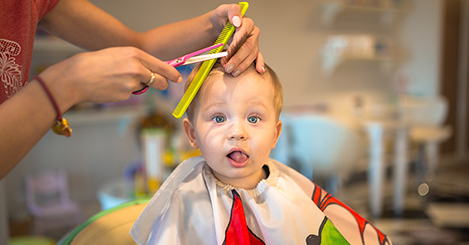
(218, 70)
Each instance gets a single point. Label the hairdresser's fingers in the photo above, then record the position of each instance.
(244, 47)
(224, 13)
(162, 72)
(260, 66)
(111, 74)
(241, 35)
(242, 52)
(154, 80)
(234, 15)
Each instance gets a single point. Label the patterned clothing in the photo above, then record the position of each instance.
(18, 23)
(193, 207)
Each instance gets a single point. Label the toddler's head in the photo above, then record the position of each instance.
(269, 75)
(234, 121)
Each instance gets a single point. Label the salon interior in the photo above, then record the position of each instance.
(375, 112)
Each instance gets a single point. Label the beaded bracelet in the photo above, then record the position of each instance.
(61, 126)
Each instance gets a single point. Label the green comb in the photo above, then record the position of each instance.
(199, 78)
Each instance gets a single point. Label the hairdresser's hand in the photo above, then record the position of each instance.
(107, 75)
(244, 48)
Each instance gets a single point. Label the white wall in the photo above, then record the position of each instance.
(421, 35)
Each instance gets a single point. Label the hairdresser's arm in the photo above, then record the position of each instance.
(110, 74)
(103, 76)
(24, 119)
(82, 23)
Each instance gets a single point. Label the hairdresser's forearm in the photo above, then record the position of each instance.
(85, 25)
(179, 38)
(24, 120)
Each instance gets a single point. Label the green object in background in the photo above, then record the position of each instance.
(31, 240)
(68, 238)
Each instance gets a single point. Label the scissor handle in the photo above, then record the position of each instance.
(176, 62)
(181, 60)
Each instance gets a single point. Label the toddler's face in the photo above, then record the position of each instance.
(235, 127)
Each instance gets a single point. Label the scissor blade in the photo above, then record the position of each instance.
(201, 58)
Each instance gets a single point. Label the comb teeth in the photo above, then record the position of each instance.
(206, 66)
(223, 37)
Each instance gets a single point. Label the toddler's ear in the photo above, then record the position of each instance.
(190, 132)
(278, 130)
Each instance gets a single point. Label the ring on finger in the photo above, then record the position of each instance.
(152, 79)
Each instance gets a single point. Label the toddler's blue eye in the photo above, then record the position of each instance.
(219, 119)
(253, 119)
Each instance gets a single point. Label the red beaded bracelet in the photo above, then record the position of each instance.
(61, 126)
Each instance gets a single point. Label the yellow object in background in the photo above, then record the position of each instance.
(153, 185)
(188, 154)
(140, 190)
(31, 240)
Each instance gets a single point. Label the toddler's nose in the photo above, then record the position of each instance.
(237, 132)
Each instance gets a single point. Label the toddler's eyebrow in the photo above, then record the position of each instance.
(259, 103)
(209, 105)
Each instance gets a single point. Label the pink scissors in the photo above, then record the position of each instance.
(195, 57)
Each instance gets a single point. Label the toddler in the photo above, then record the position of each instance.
(234, 193)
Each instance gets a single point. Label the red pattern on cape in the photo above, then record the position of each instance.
(237, 232)
(324, 199)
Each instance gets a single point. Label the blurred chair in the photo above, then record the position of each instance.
(49, 203)
(326, 146)
(426, 116)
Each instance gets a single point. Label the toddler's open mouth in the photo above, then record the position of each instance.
(237, 158)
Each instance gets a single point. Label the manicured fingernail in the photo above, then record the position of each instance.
(263, 69)
(236, 73)
(178, 81)
(236, 21)
(229, 68)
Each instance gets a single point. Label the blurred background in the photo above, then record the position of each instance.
(375, 111)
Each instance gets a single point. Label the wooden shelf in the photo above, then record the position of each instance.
(339, 49)
(330, 10)
(331, 62)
